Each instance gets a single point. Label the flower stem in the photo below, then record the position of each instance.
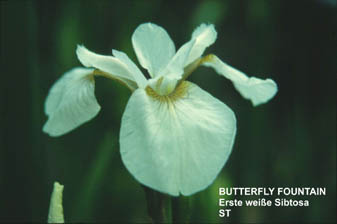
(180, 210)
(158, 206)
(162, 208)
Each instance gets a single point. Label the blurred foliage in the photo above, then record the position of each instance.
(290, 141)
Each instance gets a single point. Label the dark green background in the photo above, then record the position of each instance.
(291, 141)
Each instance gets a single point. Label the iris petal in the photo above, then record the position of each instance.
(176, 144)
(257, 90)
(134, 70)
(119, 67)
(71, 102)
(153, 46)
(202, 37)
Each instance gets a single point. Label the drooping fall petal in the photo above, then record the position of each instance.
(257, 90)
(177, 144)
(71, 102)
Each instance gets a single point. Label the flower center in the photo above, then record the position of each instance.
(179, 92)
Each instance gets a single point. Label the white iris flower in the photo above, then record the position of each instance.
(174, 137)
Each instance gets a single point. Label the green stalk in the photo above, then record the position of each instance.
(180, 210)
(158, 206)
(162, 208)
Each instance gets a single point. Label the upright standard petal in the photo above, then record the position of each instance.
(55, 214)
(203, 36)
(175, 67)
(176, 144)
(153, 46)
(71, 102)
(257, 90)
(121, 67)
